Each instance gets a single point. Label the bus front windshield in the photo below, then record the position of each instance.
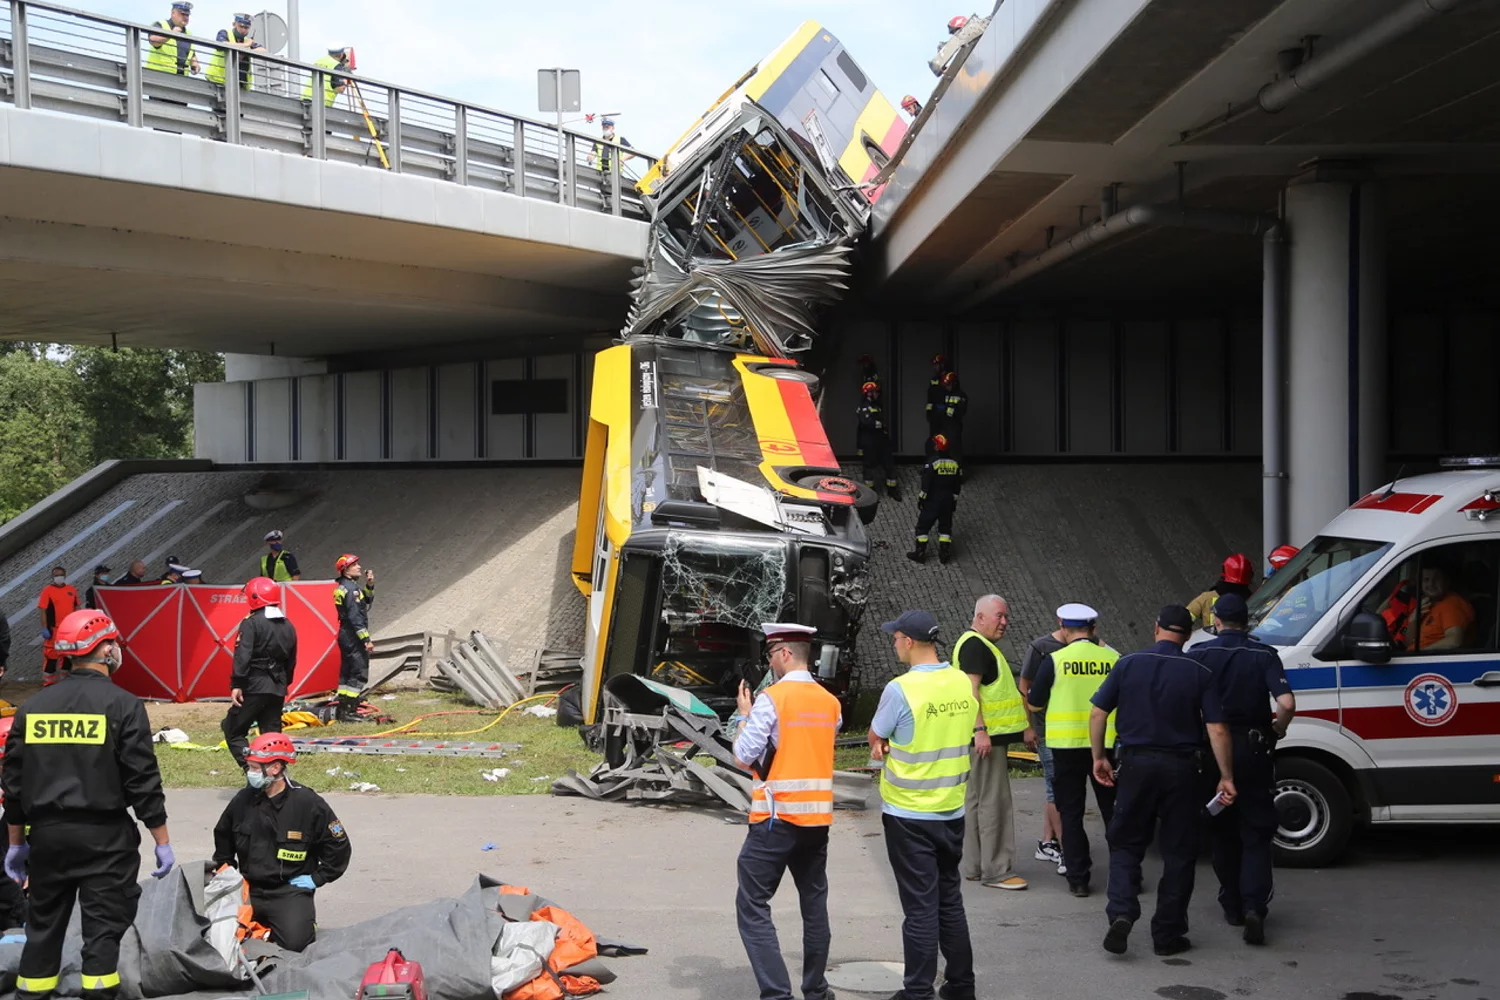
(1297, 597)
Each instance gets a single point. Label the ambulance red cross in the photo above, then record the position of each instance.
(1388, 625)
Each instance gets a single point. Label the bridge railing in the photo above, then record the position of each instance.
(57, 59)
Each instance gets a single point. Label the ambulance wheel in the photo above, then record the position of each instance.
(866, 500)
(1314, 815)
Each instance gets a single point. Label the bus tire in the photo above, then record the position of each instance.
(866, 500)
(1314, 813)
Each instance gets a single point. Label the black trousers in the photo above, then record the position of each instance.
(1157, 793)
(1072, 774)
(261, 710)
(936, 509)
(12, 905)
(1241, 835)
(354, 665)
(771, 849)
(97, 865)
(879, 457)
(925, 857)
(289, 912)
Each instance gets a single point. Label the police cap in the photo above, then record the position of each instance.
(918, 625)
(1231, 608)
(1077, 615)
(243, 19)
(1176, 618)
(787, 632)
(274, 535)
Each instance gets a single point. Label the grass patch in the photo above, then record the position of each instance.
(546, 752)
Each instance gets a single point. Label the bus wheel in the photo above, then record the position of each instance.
(1314, 814)
(866, 500)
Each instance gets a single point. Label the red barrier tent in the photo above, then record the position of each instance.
(179, 639)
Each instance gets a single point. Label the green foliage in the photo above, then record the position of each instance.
(64, 410)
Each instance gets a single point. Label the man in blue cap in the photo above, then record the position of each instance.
(237, 35)
(1163, 699)
(602, 155)
(1249, 679)
(169, 54)
(1063, 685)
(922, 730)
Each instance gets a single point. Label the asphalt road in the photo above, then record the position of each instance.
(1410, 915)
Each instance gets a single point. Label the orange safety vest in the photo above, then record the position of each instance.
(575, 944)
(799, 787)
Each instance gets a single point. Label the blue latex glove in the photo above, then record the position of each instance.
(303, 882)
(165, 859)
(15, 862)
(46, 633)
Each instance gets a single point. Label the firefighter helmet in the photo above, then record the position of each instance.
(262, 591)
(940, 361)
(269, 747)
(1281, 555)
(957, 24)
(5, 725)
(344, 562)
(940, 442)
(950, 379)
(1237, 569)
(870, 388)
(911, 105)
(81, 632)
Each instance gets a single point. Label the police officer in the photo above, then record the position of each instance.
(875, 441)
(285, 841)
(101, 579)
(791, 809)
(79, 754)
(264, 656)
(333, 82)
(278, 564)
(1065, 681)
(352, 601)
(942, 478)
(922, 730)
(955, 406)
(169, 54)
(1161, 698)
(238, 36)
(1249, 678)
(175, 569)
(602, 155)
(935, 393)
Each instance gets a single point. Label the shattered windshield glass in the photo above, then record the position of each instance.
(738, 581)
(1296, 598)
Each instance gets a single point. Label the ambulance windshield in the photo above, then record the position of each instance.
(1295, 599)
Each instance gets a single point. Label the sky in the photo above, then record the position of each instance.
(659, 64)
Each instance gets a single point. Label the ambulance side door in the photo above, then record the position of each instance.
(1430, 718)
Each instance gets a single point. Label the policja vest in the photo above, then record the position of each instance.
(327, 63)
(799, 786)
(175, 54)
(1079, 667)
(276, 571)
(930, 773)
(1000, 701)
(218, 61)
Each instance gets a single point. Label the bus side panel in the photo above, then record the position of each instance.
(590, 493)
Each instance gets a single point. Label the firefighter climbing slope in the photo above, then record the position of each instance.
(875, 441)
(352, 600)
(942, 478)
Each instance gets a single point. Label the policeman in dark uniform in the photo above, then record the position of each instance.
(942, 478)
(79, 754)
(101, 579)
(352, 602)
(875, 441)
(935, 395)
(285, 841)
(1249, 678)
(955, 406)
(264, 657)
(1161, 698)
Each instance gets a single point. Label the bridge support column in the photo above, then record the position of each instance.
(1336, 348)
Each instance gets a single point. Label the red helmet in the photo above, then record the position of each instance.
(1281, 555)
(940, 361)
(955, 25)
(5, 725)
(269, 747)
(82, 631)
(344, 562)
(950, 379)
(911, 105)
(940, 442)
(870, 388)
(261, 592)
(1237, 569)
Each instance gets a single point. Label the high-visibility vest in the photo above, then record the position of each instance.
(1000, 700)
(1079, 668)
(278, 571)
(220, 58)
(930, 773)
(799, 786)
(325, 63)
(168, 58)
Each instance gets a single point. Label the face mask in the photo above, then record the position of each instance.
(257, 779)
(275, 546)
(58, 581)
(113, 660)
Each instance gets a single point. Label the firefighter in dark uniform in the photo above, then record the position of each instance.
(875, 441)
(942, 478)
(285, 841)
(352, 600)
(868, 371)
(1162, 699)
(78, 756)
(1249, 678)
(12, 897)
(264, 657)
(935, 395)
(953, 409)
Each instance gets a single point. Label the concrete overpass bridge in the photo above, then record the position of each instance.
(144, 208)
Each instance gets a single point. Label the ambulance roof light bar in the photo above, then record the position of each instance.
(1470, 462)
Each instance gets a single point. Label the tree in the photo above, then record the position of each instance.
(44, 431)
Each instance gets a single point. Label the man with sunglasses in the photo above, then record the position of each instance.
(784, 737)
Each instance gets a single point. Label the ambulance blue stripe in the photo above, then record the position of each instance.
(1402, 674)
(1313, 678)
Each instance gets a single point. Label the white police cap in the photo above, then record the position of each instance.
(1077, 615)
(787, 632)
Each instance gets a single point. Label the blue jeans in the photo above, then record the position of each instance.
(771, 849)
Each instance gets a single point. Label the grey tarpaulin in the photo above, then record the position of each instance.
(165, 953)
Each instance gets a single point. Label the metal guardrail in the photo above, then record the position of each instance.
(58, 59)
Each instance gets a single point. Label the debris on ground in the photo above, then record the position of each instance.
(170, 736)
(364, 786)
(541, 711)
(496, 774)
(399, 745)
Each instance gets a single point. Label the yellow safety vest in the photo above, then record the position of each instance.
(329, 94)
(220, 58)
(930, 773)
(279, 572)
(1080, 667)
(165, 58)
(1000, 700)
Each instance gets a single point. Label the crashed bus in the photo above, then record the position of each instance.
(711, 500)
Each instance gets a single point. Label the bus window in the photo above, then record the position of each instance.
(852, 71)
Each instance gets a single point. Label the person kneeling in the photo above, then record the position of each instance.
(285, 841)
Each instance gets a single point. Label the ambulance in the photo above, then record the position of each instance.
(1387, 625)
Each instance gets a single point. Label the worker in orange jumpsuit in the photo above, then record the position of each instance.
(58, 600)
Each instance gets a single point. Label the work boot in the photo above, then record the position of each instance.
(918, 553)
(1118, 936)
(945, 551)
(893, 490)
